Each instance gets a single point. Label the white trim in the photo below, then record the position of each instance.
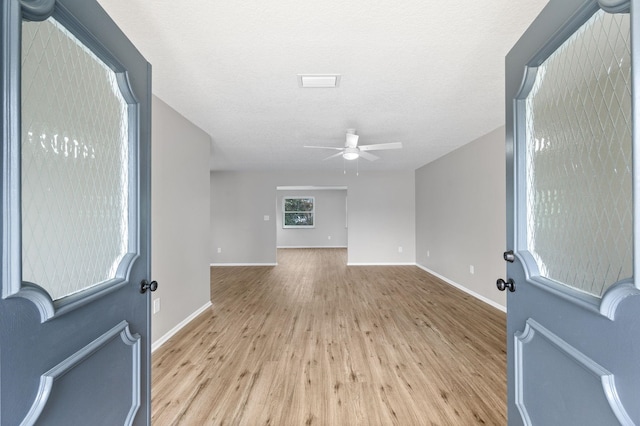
(309, 247)
(463, 288)
(243, 264)
(380, 264)
(311, 188)
(178, 327)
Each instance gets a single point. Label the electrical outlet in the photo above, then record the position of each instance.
(329, 237)
(219, 249)
(400, 249)
(156, 306)
(266, 217)
(428, 254)
(472, 270)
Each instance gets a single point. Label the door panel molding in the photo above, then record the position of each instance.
(614, 296)
(38, 10)
(615, 6)
(607, 306)
(609, 303)
(529, 76)
(10, 231)
(597, 384)
(111, 346)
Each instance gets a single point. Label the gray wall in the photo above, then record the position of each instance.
(330, 228)
(239, 233)
(461, 216)
(180, 218)
(381, 215)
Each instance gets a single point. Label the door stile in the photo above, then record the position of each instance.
(10, 274)
(635, 135)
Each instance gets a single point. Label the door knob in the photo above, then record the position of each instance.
(146, 285)
(503, 285)
(509, 256)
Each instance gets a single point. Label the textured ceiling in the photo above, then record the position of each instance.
(427, 74)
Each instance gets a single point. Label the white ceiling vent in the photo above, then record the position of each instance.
(318, 80)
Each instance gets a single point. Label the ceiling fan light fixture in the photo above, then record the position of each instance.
(350, 154)
(353, 151)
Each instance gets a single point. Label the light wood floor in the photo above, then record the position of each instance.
(314, 342)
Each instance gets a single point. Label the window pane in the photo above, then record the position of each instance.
(298, 219)
(298, 204)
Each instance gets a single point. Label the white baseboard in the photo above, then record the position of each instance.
(311, 247)
(380, 264)
(463, 288)
(243, 264)
(178, 327)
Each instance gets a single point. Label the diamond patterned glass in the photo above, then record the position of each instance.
(74, 163)
(578, 158)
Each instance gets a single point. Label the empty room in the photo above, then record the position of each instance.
(329, 213)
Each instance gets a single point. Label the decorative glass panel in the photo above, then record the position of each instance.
(578, 158)
(74, 163)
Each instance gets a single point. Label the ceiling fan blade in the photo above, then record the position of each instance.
(324, 147)
(381, 146)
(368, 156)
(352, 140)
(333, 156)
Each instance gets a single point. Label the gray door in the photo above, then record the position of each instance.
(75, 188)
(573, 320)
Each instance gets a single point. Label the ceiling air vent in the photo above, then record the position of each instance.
(323, 81)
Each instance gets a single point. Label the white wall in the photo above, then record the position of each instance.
(381, 214)
(330, 222)
(461, 216)
(180, 218)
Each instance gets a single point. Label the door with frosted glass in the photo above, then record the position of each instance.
(573, 324)
(74, 335)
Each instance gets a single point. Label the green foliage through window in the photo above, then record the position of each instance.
(298, 212)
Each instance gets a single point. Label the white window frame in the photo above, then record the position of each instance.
(284, 212)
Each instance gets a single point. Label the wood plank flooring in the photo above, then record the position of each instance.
(314, 342)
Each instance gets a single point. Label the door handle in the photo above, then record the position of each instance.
(503, 285)
(509, 256)
(146, 285)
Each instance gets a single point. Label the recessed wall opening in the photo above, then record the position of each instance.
(325, 217)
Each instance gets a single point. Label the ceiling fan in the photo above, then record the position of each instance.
(352, 150)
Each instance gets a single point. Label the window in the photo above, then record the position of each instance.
(298, 212)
